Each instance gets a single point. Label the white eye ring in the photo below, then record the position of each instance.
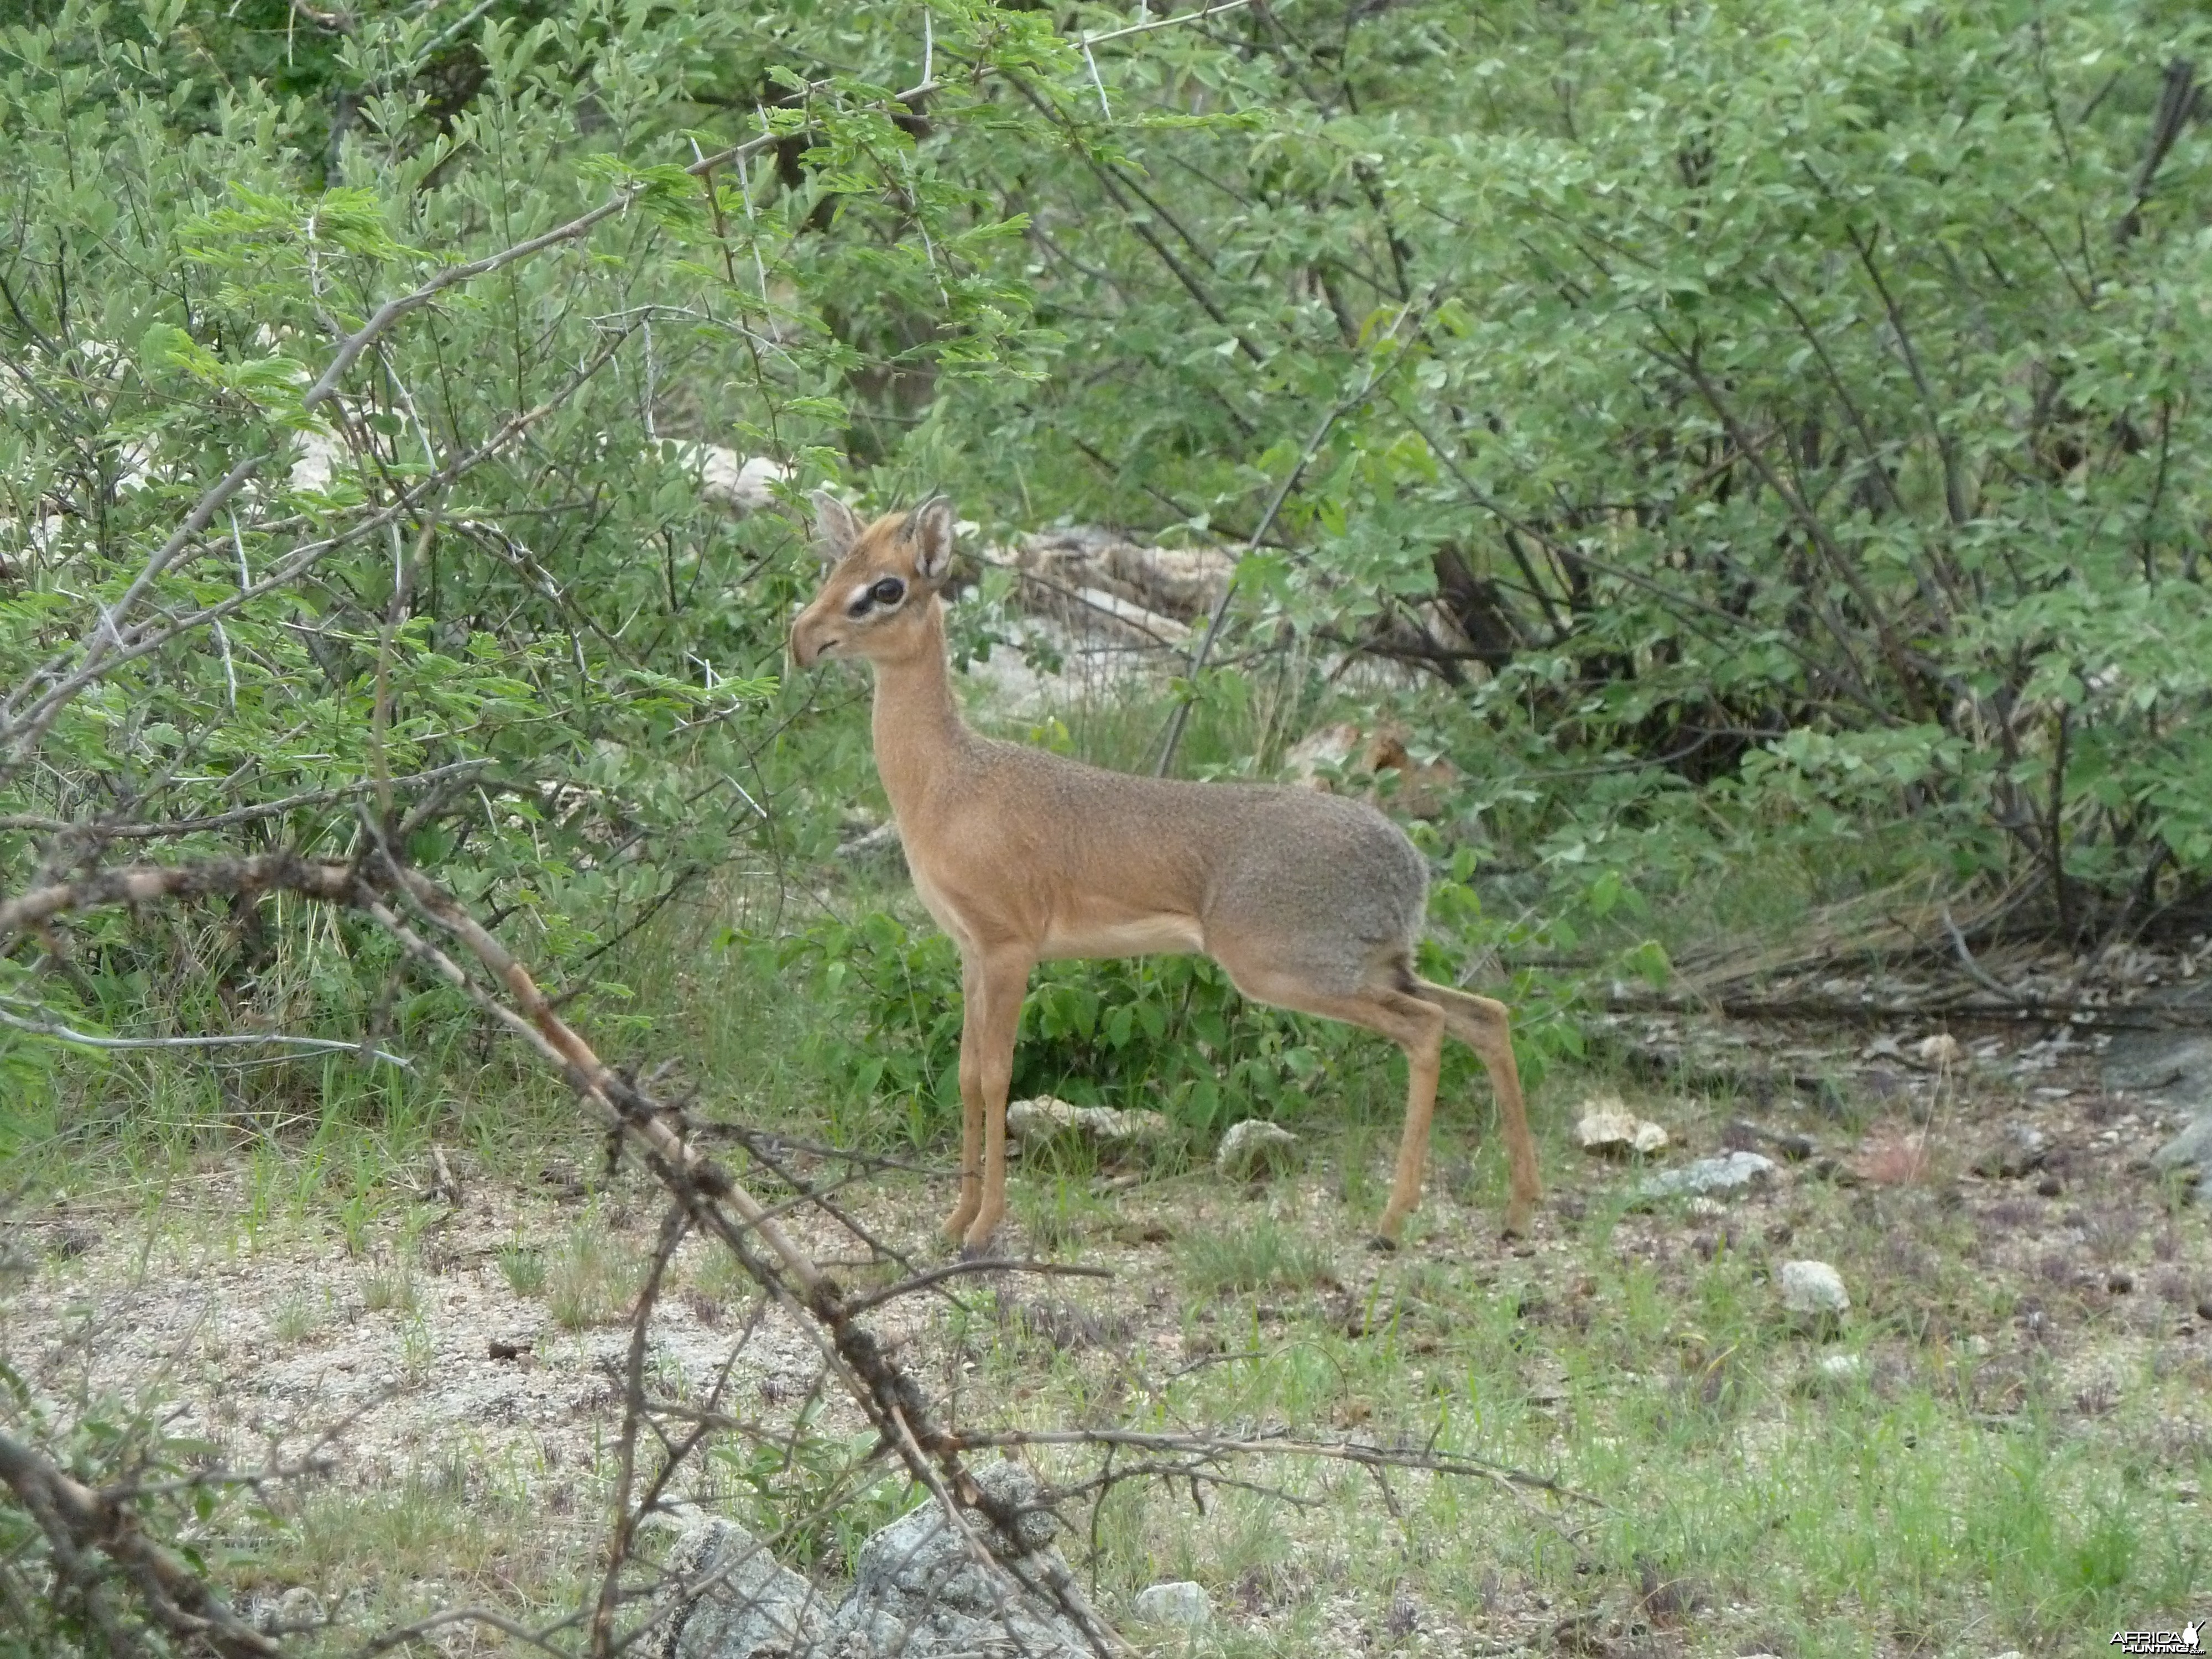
(885, 593)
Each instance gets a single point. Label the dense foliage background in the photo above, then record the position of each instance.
(1766, 442)
(1761, 429)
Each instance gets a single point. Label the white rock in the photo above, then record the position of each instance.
(1610, 1129)
(881, 845)
(1253, 1150)
(1813, 1287)
(297, 1611)
(752, 1608)
(919, 1593)
(321, 454)
(2021, 1148)
(1842, 1367)
(1180, 1602)
(1032, 1122)
(736, 486)
(2193, 1146)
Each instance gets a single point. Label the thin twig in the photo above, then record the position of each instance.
(922, 1281)
(150, 830)
(1273, 1445)
(58, 1032)
(1974, 971)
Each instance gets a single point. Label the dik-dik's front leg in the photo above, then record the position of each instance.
(992, 984)
(971, 1105)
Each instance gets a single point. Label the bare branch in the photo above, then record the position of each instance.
(150, 829)
(76, 1520)
(58, 1032)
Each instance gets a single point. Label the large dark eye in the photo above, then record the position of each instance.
(889, 590)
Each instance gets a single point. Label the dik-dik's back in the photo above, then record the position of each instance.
(1309, 902)
(1321, 877)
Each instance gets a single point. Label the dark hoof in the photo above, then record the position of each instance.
(980, 1252)
(1382, 1245)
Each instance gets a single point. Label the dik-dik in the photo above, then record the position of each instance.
(1309, 901)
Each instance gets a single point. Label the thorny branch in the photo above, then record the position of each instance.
(82, 1526)
(79, 1521)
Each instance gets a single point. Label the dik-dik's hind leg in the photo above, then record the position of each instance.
(1485, 1027)
(1413, 1023)
(992, 987)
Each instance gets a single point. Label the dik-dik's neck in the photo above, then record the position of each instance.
(918, 726)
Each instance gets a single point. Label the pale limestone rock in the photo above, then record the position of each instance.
(1609, 1129)
(1179, 1602)
(1033, 1122)
(1813, 1287)
(1731, 1172)
(1254, 1150)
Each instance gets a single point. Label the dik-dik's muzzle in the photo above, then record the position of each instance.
(812, 637)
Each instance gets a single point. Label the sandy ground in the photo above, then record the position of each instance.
(269, 1341)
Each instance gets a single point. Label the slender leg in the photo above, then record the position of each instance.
(971, 1105)
(1485, 1027)
(1415, 1024)
(1424, 1046)
(994, 1016)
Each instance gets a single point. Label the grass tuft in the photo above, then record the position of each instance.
(296, 1318)
(523, 1268)
(592, 1281)
(1262, 1257)
(389, 1288)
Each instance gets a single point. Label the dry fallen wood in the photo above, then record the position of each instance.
(1843, 1011)
(1905, 921)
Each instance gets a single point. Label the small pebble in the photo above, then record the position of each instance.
(1941, 1050)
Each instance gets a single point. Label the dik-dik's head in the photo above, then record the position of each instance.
(881, 585)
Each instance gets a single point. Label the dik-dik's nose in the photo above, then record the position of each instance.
(810, 641)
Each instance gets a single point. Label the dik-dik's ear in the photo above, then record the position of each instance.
(835, 529)
(929, 528)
